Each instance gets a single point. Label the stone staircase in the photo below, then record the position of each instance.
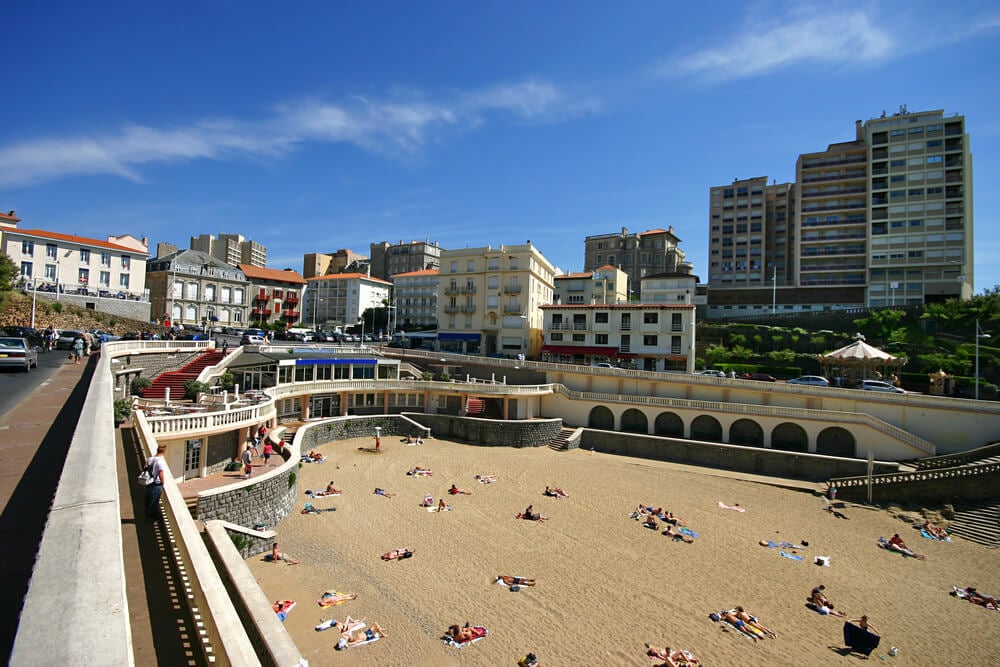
(175, 379)
(564, 440)
(977, 522)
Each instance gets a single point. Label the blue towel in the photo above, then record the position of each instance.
(791, 556)
(687, 531)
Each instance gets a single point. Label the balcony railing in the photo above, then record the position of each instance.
(451, 290)
(512, 289)
(451, 309)
(262, 296)
(469, 308)
(512, 309)
(469, 289)
(833, 193)
(569, 326)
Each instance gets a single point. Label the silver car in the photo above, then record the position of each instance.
(813, 380)
(878, 385)
(18, 353)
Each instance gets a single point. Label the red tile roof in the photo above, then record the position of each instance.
(70, 238)
(278, 275)
(653, 231)
(10, 216)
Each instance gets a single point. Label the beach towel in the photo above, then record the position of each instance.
(783, 545)
(735, 508)
(333, 598)
(790, 556)
(931, 537)
(435, 508)
(860, 641)
(515, 587)
(687, 531)
(282, 607)
(479, 631)
(320, 494)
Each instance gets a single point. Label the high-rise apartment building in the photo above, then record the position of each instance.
(388, 260)
(415, 299)
(489, 299)
(339, 299)
(232, 249)
(885, 219)
(638, 255)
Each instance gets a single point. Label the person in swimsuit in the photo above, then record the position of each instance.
(515, 581)
(383, 492)
(753, 622)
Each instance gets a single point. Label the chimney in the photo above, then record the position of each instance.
(859, 132)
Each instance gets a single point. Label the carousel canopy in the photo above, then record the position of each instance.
(860, 352)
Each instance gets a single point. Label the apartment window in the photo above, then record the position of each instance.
(556, 336)
(470, 266)
(493, 264)
(454, 267)
(916, 130)
(84, 256)
(601, 339)
(897, 133)
(676, 321)
(50, 271)
(600, 259)
(51, 251)
(27, 247)
(83, 277)
(105, 259)
(915, 192)
(105, 279)
(611, 260)
(126, 262)
(649, 341)
(650, 318)
(191, 292)
(26, 269)
(934, 159)
(601, 318)
(513, 263)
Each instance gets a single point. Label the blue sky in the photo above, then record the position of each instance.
(314, 126)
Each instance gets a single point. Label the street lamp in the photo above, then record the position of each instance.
(979, 334)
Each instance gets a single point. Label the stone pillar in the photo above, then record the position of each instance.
(506, 406)
(304, 401)
(343, 404)
(385, 402)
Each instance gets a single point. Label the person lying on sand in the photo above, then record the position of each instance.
(650, 522)
(463, 634)
(974, 596)
(316, 456)
(329, 598)
(670, 532)
(454, 490)
(486, 479)
(753, 622)
(826, 609)
(360, 636)
(383, 492)
(396, 554)
(937, 532)
(555, 492)
(531, 515)
(667, 656)
(417, 471)
(896, 543)
(514, 581)
(670, 517)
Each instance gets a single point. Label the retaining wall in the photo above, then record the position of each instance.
(345, 428)
(127, 308)
(266, 500)
(812, 467)
(492, 432)
(956, 484)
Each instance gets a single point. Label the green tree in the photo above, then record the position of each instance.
(8, 271)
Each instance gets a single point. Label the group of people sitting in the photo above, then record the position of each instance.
(819, 603)
(529, 514)
(649, 515)
(313, 457)
(667, 657)
(554, 492)
(411, 440)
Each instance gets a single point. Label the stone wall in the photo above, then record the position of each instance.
(127, 308)
(345, 428)
(220, 450)
(265, 500)
(492, 432)
(928, 491)
(249, 542)
(814, 467)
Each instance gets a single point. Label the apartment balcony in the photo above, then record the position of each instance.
(823, 164)
(831, 267)
(451, 309)
(260, 311)
(953, 161)
(954, 193)
(839, 177)
(470, 308)
(835, 207)
(850, 220)
(568, 326)
(512, 289)
(262, 296)
(451, 291)
(292, 298)
(512, 309)
(833, 237)
(625, 348)
(833, 252)
(625, 326)
(469, 289)
(294, 314)
(833, 193)
(487, 326)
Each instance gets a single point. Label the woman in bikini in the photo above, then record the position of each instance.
(515, 581)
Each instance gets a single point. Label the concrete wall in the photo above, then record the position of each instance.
(961, 486)
(127, 308)
(812, 467)
(493, 432)
(345, 428)
(265, 500)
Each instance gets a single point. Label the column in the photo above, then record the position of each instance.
(305, 400)
(506, 404)
(385, 402)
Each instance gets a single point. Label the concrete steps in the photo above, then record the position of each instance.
(977, 522)
(562, 440)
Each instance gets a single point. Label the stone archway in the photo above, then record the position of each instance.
(836, 441)
(669, 424)
(746, 432)
(634, 421)
(707, 428)
(602, 418)
(789, 437)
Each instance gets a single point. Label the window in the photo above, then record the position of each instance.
(51, 251)
(324, 372)
(83, 277)
(84, 256)
(454, 267)
(50, 271)
(579, 338)
(26, 269)
(676, 321)
(649, 341)
(601, 318)
(105, 259)
(123, 281)
(934, 159)
(126, 262)
(470, 266)
(105, 279)
(513, 263)
(556, 336)
(650, 318)
(27, 248)
(601, 339)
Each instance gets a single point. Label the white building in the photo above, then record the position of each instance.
(339, 299)
(606, 284)
(415, 299)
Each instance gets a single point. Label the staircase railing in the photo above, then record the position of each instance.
(958, 459)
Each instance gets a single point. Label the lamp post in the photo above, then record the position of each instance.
(979, 334)
(774, 290)
(361, 321)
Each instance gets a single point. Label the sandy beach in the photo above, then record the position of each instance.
(606, 585)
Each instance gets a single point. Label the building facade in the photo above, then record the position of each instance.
(415, 299)
(315, 264)
(339, 299)
(606, 284)
(489, 300)
(275, 295)
(190, 287)
(389, 260)
(882, 220)
(232, 249)
(64, 263)
(638, 255)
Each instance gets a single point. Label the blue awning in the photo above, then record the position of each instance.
(459, 336)
(341, 362)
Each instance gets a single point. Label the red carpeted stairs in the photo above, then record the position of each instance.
(475, 407)
(176, 379)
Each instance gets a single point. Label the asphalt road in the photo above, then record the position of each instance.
(15, 384)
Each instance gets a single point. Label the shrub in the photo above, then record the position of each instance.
(291, 479)
(123, 410)
(57, 306)
(226, 381)
(192, 388)
(138, 384)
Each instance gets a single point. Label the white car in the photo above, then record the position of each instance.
(252, 339)
(878, 385)
(713, 373)
(812, 380)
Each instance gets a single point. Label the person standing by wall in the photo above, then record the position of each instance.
(157, 466)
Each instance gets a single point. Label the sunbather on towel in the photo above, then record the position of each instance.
(383, 492)
(753, 622)
(670, 517)
(361, 636)
(555, 492)
(283, 606)
(330, 599)
(670, 532)
(397, 553)
(896, 543)
(937, 532)
(974, 596)
(463, 634)
(741, 626)
(486, 479)
(508, 580)
(668, 656)
(418, 471)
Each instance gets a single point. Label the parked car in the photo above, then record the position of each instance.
(254, 332)
(33, 335)
(603, 364)
(812, 380)
(878, 385)
(66, 338)
(762, 377)
(323, 337)
(192, 335)
(252, 339)
(18, 353)
(714, 372)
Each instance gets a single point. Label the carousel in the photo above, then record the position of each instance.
(859, 361)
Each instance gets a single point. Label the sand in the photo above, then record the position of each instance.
(606, 585)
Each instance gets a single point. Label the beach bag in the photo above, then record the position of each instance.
(146, 476)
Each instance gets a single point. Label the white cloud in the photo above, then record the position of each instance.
(399, 127)
(834, 38)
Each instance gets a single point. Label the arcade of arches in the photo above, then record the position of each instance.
(786, 436)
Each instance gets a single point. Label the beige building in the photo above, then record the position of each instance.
(339, 299)
(489, 300)
(389, 260)
(316, 264)
(415, 299)
(884, 219)
(190, 287)
(232, 249)
(606, 284)
(64, 263)
(638, 255)
(275, 295)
